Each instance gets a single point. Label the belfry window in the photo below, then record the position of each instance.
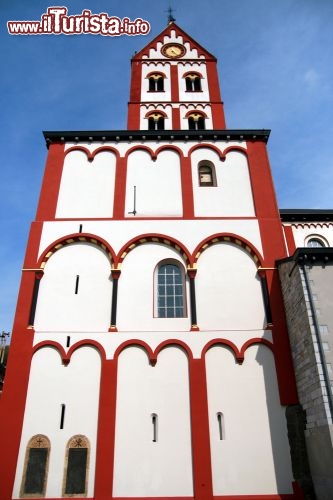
(196, 121)
(36, 466)
(206, 173)
(170, 290)
(193, 83)
(156, 83)
(156, 121)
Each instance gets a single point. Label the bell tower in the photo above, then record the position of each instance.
(174, 85)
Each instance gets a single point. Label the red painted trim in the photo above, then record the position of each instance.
(152, 73)
(72, 239)
(228, 238)
(152, 238)
(90, 343)
(120, 189)
(31, 255)
(136, 343)
(141, 148)
(13, 398)
(51, 343)
(106, 429)
(133, 120)
(201, 454)
(215, 96)
(153, 112)
(176, 119)
(189, 73)
(174, 85)
(289, 235)
(256, 341)
(262, 182)
(229, 149)
(48, 199)
(225, 342)
(174, 342)
(196, 112)
(91, 154)
(220, 153)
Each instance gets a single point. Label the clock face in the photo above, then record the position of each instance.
(173, 50)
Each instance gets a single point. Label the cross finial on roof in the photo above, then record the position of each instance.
(171, 19)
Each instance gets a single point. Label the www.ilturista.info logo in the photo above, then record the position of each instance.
(57, 22)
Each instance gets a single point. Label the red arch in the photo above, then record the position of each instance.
(189, 73)
(227, 343)
(220, 154)
(172, 147)
(136, 343)
(234, 148)
(91, 154)
(87, 342)
(142, 148)
(51, 343)
(228, 238)
(153, 238)
(196, 111)
(173, 342)
(153, 73)
(254, 341)
(76, 238)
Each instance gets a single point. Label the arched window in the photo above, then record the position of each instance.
(170, 290)
(156, 121)
(193, 82)
(315, 243)
(36, 467)
(206, 172)
(76, 466)
(196, 121)
(156, 82)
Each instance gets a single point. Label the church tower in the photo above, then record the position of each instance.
(150, 356)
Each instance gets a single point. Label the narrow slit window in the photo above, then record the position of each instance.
(68, 342)
(154, 419)
(62, 416)
(80, 228)
(77, 280)
(220, 424)
(206, 173)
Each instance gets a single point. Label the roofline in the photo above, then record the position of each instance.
(305, 214)
(308, 256)
(155, 135)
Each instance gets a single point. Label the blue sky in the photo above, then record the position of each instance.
(276, 72)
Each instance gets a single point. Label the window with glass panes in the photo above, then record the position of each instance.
(170, 296)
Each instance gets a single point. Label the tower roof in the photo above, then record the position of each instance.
(169, 33)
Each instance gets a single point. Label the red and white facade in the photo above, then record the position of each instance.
(186, 406)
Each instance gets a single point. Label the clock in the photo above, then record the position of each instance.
(173, 50)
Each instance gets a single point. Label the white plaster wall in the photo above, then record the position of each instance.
(232, 197)
(58, 307)
(193, 96)
(143, 467)
(228, 290)
(305, 231)
(147, 96)
(253, 458)
(158, 185)
(87, 188)
(118, 233)
(50, 385)
(136, 291)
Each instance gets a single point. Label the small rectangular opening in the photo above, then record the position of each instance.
(80, 228)
(77, 284)
(154, 422)
(220, 425)
(68, 342)
(62, 416)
